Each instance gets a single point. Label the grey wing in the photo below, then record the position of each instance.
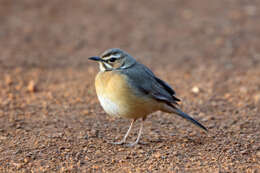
(147, 83)
(163, 84)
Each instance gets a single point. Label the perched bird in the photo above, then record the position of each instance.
(129, 89)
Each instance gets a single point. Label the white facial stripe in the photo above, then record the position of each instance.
(104, 66)
(107, 65)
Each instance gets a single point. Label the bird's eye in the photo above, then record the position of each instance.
(112, 60)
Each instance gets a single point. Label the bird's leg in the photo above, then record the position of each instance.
(139, 135)
(127, 133)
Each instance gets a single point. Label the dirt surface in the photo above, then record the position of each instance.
(50, 118)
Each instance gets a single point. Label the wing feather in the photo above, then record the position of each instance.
(148, 84)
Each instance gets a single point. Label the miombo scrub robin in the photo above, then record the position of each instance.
(127, 88)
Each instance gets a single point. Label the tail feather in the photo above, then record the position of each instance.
(187, 117)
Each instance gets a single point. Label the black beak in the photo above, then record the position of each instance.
(95, 58)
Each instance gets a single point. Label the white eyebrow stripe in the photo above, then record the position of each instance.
(112, 56)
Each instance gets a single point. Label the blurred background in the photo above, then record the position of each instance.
(50, 119)
(57, 33)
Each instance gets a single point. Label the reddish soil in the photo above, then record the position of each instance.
(50, 118)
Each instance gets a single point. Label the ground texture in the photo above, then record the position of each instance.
(50, 118)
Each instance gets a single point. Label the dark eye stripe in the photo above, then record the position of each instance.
(112, 59)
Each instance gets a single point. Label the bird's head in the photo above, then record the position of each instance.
(114, 59)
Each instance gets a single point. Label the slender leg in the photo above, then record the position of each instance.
(127, 133)
(139, 135)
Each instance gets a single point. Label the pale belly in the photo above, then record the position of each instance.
(109, 106)
(126, 108)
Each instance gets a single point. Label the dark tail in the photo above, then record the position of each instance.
(187, 117)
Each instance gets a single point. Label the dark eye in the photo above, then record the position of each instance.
(112, 60)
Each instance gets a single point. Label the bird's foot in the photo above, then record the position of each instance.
(117, 143)
(131, 144)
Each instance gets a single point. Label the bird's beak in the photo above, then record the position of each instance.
(95, 58)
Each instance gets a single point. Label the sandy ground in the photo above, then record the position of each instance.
(50, 118)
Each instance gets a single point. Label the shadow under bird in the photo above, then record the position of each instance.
(129, 89)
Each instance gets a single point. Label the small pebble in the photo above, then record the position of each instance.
(258, 154)
(175, 153)
(195, 90)
(244, 152)
(8, 80)
(257, 98)
(31, 86)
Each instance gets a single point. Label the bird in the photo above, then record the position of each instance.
(127, 88)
